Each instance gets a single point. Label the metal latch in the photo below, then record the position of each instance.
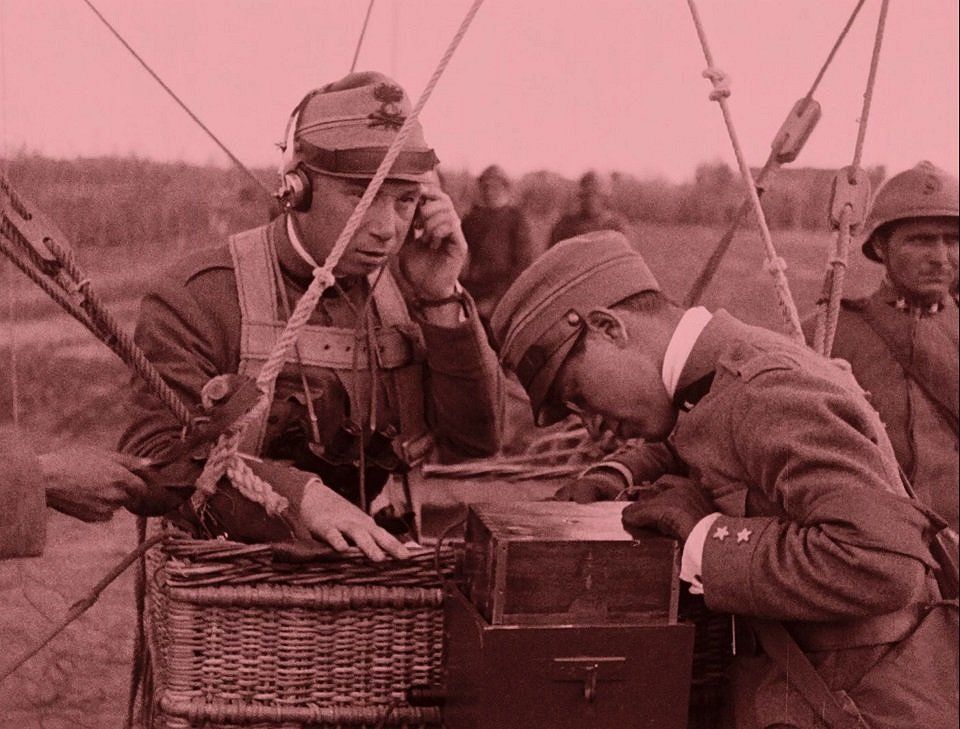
(851, 189)
(589, 669)
(795, 130)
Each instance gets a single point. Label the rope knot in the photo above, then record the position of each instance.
(777, 265)
(324, 276)
(720, 81)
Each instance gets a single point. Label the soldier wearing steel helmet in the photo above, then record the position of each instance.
(393, 366)
(901, 341)
(792, 508)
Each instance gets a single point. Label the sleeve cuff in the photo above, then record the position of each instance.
(691, 562)
(608, 467)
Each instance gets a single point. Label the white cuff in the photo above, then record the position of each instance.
(692, 560)
(614, 466)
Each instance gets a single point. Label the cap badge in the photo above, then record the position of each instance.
(388, 115)
(931, 184)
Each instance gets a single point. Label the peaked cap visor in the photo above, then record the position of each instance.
(539, 319)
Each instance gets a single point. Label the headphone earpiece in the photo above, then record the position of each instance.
(295, 192)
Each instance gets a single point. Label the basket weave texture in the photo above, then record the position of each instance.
(238, 638)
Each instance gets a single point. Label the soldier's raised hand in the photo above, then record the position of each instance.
(433, 261)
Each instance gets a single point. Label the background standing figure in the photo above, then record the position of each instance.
(593, 213)
(902, 340)
(498, 241)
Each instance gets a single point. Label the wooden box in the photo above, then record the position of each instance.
(556, 563)
(563, 676)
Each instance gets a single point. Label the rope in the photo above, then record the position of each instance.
(828, 306)
(833, 51)
(709, 269)
(871, 82)
(85, 603)
(224, 454)
(216, 140)
(775, 264)
(66, 284)
(11, 284)
(363, 32)
(123, 343)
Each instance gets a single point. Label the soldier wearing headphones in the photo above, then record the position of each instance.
(393, 366)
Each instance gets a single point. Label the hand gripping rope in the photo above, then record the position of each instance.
(225, 458)
(775, 264)
(848, 209)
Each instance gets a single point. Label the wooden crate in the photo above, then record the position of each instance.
(553, 563)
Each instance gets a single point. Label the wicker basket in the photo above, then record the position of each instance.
(238, 638)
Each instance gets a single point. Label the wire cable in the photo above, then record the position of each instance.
(363, 32)
(204, 127)
(712, 264)
(828, 307)
(775, 264)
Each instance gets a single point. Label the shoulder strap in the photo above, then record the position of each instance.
(251, 252)
(780, 646)
(945, 409)
(256, 292)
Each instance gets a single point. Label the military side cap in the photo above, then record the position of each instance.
(494, 172)
(924, 191)
(345, 128)
(540, 317)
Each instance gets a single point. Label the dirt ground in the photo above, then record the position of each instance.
(69, 387)
(80, 679)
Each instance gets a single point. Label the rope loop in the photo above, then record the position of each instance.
(720, 81)
(776, 265)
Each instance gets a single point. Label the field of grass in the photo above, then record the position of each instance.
(70, 390)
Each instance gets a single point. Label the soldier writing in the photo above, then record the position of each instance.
(393, 365)
(794, 510)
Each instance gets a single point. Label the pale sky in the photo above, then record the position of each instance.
(536, 84)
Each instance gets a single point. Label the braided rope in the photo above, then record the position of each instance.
(828, 306)
(775, 264)
(323, 278)
(121, 342)
(772, 164)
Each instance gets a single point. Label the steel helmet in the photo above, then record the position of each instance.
(924, 191)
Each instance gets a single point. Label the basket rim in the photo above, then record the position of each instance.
(227, 711)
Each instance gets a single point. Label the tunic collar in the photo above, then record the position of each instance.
(688, 330)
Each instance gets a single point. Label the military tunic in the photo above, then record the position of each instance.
(925, 443)
(190, 328)
(22, 498)
(815, 530)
